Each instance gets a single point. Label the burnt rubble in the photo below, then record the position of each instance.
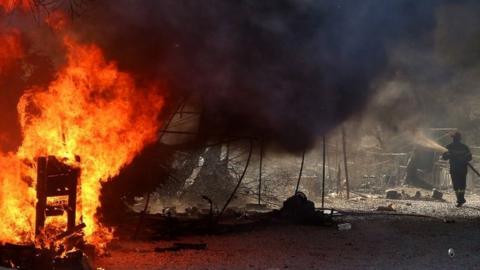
(28, 257)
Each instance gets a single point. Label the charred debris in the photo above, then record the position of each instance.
(190, 184)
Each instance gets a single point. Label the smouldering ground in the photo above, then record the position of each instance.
(375, 241)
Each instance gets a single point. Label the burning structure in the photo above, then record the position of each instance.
(55, 179)
(90, 110)
(111, 105)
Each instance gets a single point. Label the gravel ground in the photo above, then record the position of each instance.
(372, 243)
(415, 207)
(376, 241)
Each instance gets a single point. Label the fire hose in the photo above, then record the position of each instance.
(473, 169)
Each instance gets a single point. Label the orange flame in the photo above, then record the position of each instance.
(16, 193)
(17, 199)
(11, 48)
(57, 20)
(92, 110)
(10, 5)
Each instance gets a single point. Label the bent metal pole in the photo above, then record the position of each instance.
(323, 172)
(473, 169)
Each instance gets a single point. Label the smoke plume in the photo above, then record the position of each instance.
(286, 71)
(289, 70)
(435, 79)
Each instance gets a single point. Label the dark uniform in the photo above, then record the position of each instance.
(459, 155)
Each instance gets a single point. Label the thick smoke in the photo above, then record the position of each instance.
(285, 70)
(435, 83)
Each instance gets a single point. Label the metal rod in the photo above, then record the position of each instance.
(260, 173)
(473, 169)
(323, 173)
(162, 133)
(339, 176)
(227, 154)
(337, 164)
(300, 173)
(344, 142)
(239, 181)
(170, 118)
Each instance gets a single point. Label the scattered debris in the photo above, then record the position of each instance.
(359, 194)
(255, 206)
(386, 208)
(344, 226)
(169, 210)
(182, 246)
(210, 202)
(393, 194)
(27, 257)
(68, 233)
(402, 195)
(437, 195)
(299, 210)
(192, 211)
(451, 252)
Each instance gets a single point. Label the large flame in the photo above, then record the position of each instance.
(17, 198)
(92, 110)
(16, 193)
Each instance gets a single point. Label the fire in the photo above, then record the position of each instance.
(57, 20)
(16, 193)
(17, 199)
(10, 5)
(92, 110)
(11, 49)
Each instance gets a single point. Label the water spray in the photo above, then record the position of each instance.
(420, 139)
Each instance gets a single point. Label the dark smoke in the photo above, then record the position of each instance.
(284, 70)
(435, 82)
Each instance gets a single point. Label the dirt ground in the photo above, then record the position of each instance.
(411, 206)
(376, 241)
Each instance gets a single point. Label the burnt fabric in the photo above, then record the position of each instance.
(458, 155)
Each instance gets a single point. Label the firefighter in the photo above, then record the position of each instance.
(459, 155)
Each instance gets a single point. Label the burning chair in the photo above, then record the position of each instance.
(54, 179)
